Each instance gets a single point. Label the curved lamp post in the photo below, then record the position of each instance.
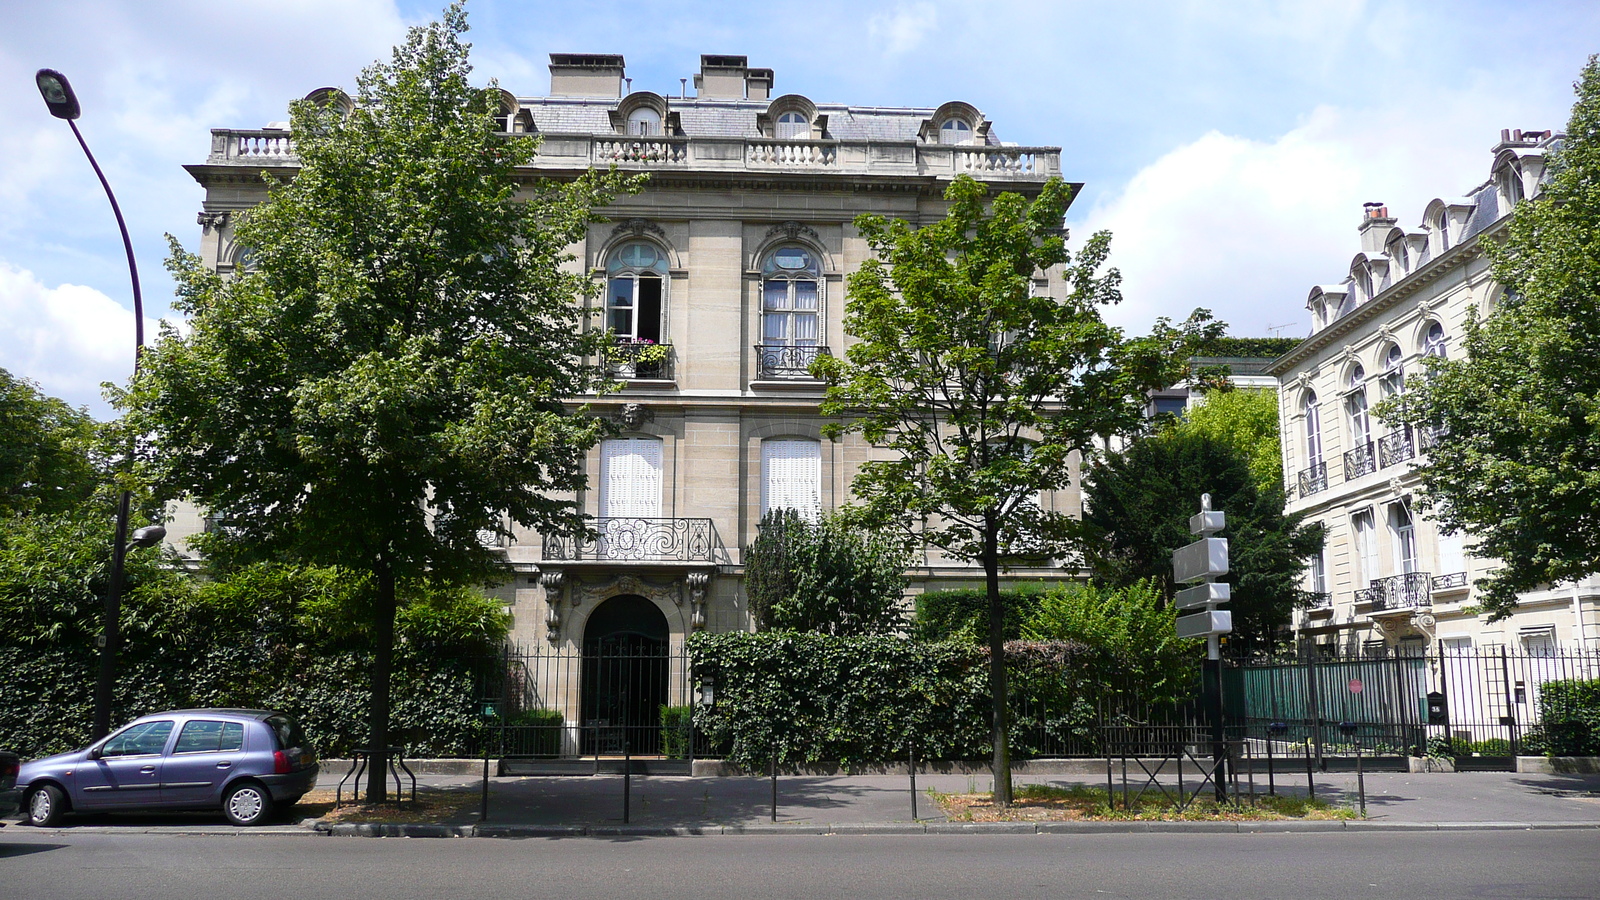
(63, 104)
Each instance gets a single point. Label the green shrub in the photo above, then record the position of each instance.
(964, 614)
(828, 577)
(809, 698)
(1133, 631)
(676, 731)
(1570, 712)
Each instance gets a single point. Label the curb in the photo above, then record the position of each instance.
(1272, 826)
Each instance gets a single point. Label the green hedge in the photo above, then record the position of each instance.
(810, 698)
(964, 614)
(1570, 714)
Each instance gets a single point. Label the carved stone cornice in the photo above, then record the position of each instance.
(212, 220)
(626, 584)
(793, 231)
(638, 228)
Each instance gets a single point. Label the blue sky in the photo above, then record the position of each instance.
(1228, 146)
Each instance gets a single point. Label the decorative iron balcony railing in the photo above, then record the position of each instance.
(1313, 480)
(1366, 595)
(1430, 436)
(1319, 600)
(1455, 581)
(785, 360)
(1395, 447)
(640, 359)
(1360, 461)
(639, 540)
(1407, 591)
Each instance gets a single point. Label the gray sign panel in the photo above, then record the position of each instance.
(1205, 558)
(1203, 595)
(1205, 624)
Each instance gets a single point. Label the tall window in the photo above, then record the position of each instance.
(1318, 580)
(1404, 532)
(1313, 430)
(955, 131)
(1366, 544)
(790, 297)
(1394, 374)
(644, 121)
(792, 125)
(1442, 226)
(630, 478)
(791, 476)
(1355, 407)
(1433, 341)
(637, 276)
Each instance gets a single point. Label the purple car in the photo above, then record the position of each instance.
(246, 762)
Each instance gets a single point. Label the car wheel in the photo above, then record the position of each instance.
(46, 805)
(247, 803)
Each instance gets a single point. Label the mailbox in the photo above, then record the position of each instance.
(1438, 710)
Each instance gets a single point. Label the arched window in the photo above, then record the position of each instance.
(791, 476)
(1404, 532)
(1442, 227)
(644, 121)
(1313, 430)
(1363, 279)
(792, 125)
(1394, 374)
(791, 298)
(1400, 255)
(1433, 341)
(636, 274)
(955, 131)
(1355, 406)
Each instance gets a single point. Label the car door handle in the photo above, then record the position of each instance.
(148, 770)
(224, 765)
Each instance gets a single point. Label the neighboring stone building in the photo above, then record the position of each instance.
(724, 278)
(1387, 576)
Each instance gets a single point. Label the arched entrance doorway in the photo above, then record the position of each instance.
(624, 682)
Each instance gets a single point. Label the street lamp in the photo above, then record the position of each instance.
(63, 104)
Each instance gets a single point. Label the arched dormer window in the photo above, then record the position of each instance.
(1361, 276)
(643, 114)
(332, 96)
(955, 131)
(505, 116)
(792, 125)
(644, 122)
(636, 276)
(1399, 255)
(1508, 181)
(791, 117)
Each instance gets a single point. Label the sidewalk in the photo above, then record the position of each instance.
(593, 805)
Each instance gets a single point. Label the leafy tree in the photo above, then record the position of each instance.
(1137, 505)
(827, 577)
(984, 390)
(47, 451)
(1517, 412)
(1246, 420)
(386, 382)
(1133, 631)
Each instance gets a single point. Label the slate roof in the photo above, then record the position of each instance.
(728, 118)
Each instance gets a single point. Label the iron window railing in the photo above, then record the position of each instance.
(643, 540)
(1314, 479)
(1407, 591)
(1319, 600)
(1366, 595)
(1395, 447)
(640, 359)
(786, 360)
(1360, 461)
(1452, 582)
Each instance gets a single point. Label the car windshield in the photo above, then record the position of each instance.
(287, 731)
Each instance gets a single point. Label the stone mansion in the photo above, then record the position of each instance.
(722, 280)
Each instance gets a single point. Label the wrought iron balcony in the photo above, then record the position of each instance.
(786, 361)
(1407, 591)
(1313, 480)
(1360, 461)
(1319, 600)
(1395, 447)
(639, 540)
(1430, 436)
(1366, 595)
(1455, 581)
(640, 359)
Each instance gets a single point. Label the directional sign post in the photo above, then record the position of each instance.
(1203, 562)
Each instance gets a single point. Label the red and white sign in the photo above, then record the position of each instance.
(1356, 685)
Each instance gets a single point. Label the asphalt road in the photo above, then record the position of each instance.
(1413, 865)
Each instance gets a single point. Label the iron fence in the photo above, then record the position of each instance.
(634, 539)
(786, 360)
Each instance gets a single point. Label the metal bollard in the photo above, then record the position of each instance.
(774, 787)
(913, 769)
(627, 779)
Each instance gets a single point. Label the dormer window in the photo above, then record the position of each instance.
(644, 122)
(792, 125)
(955, 132)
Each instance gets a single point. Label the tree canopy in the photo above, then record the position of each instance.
(1246, 420)
(1515, 412)
(48, 455)
(385, 381)
(984, 390)
(1137, 504)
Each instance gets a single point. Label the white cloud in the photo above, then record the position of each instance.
(69, 339)
(1246, 227)
(903, 28)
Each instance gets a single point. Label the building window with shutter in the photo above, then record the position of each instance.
(791, 476)
(630, 478)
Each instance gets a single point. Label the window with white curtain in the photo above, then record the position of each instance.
(1404, 532)
(791, 298)
(791, 476)
(1313, 430)
(1355, 405)
(630, 478)
(1366, 545)
(792, 125)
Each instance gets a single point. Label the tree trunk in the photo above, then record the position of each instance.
(382, 667)
(997, 665)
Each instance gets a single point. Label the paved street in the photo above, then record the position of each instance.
(1417, 866)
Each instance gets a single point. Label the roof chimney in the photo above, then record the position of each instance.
(586, 75)
(1375, 225)
(723, 76)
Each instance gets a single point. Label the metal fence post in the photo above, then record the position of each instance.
(913, 769)
(627, 778)
(774, 787)
(483, 812)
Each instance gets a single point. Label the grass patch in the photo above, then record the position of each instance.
(1081, 802)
